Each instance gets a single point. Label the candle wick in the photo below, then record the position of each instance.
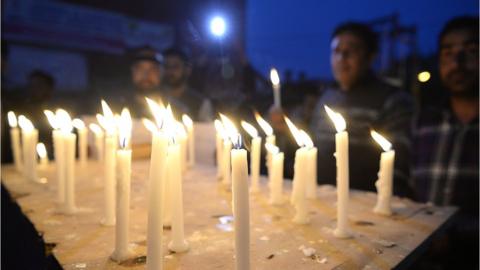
(124, 143)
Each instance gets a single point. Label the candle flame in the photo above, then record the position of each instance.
(180, 129)
(158, 111)
(238, 142)
(78, 123)
(52, 119)
(41, 150)
(337, 119)
(124, 128)
(149, 125)
(107, 112)
(25, 124)
(274, 78)
(307, 141)
(264, 124)
(12, 119)
(220, 129)
(187, 121)
(96, 129)
(230, 127)
(107, 120)
(64, 121)
(251, 130)
(384, 143)
(272, 149)
(297, 135)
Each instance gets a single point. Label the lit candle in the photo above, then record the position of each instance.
(158, 162)
(29, 143)
(275, 79)
(99, 139)
(15, 140)
(187, 121)
(384, 183)
(254, 156)
(181, 137)
(58, 154)
(311, 166)
(69, 143)
(270, 136)
(219, 147)
(341, 155)
(42, 154)
(276, 176)
(124, 172)
(82, 140)
(107, 121)
(241, 211)
(227, 147)
(299, 189)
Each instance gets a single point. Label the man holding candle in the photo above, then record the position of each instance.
(446, 145)
(366, 102)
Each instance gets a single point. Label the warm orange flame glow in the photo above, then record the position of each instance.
(187, 121)
(158, 111)
(12, 119)
(272, 149)
(220, 129)
(264, 124)
(274, 78)
(25, 124)
(297, 135)
(52, 119)
(307, 141)
(125, 128)
(337, 119)
(78, 123)
(96, 129)
(251, 130)
(230, 128)
(41, 150)
(64, 121)
(384, 143)
(149, 125)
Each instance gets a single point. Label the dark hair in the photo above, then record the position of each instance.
(362, 31)
(469, 23)
(175, 51)
(146, 53)
(43, 75)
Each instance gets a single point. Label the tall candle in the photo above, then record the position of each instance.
(219, 147)
(58, 154)
(276, 175)
(227, 147)
(254, 156)
(69, 144)
(82, 140)
(275, 79)
(15, 141)
(384, 184)
(341, 155)
(178, 243)
(187, 121)
(158, 166)
(241, 208)
(181, 137)
(29, 143)
(124, 167)
(99, 140)
(311, 181)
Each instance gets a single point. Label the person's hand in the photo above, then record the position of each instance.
(276, 118)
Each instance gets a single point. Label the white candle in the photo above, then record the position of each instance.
(58, 154)
(42, 154)
(29, 144)
(124, 167)
(69, 144)
(275, 79)
(254, 156)
(181, 137)
(99, 140)
(178, 243)
(82, 140)
(299, 189)
(227, 147)
(187, 121)
(276, 175)
(15, 141)
(341, 155)
(219, 147)
(107, 121)
(311, 183)
(241, 208)
(384, 184)
(156, 193)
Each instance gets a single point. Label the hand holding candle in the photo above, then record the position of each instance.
(384, 183)
(254, 156)
(15, 141)
(341, 154)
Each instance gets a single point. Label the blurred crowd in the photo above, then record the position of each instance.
(437, 146)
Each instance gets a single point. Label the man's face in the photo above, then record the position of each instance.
(349, 59)
(176, 71)
(146, 75)
(458, 62)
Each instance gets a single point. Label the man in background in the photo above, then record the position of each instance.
(446, 146)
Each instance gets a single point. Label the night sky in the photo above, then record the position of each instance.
(296, 34)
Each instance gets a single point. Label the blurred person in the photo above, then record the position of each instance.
(177, 90)
(445, 145)
(366, 102)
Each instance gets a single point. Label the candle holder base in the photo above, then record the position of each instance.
(381, 210)
(122, 255)
(342, 234)
(179, 247)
